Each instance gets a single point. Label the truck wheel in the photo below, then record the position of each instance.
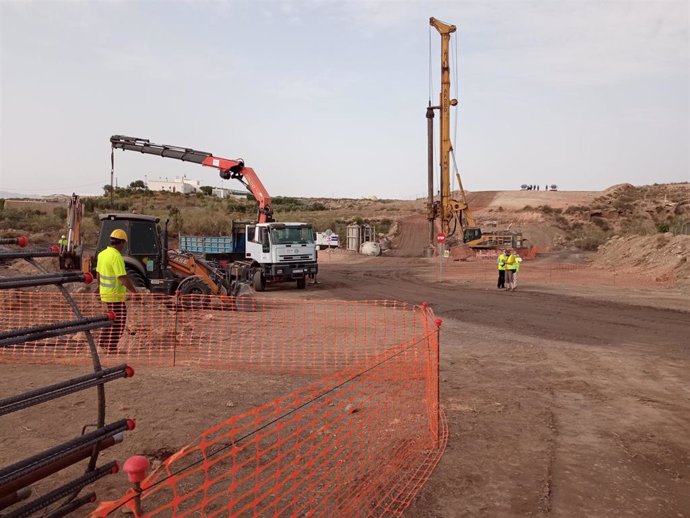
(301, 283)
(135, 277)
(259, 281)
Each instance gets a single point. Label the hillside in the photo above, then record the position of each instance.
(583, 219)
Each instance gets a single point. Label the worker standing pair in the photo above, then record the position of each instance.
(113, 285)
(512, 265)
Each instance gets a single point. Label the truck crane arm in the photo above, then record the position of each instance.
(228, 168)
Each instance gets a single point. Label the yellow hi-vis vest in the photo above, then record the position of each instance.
(110, 266)
(502, 262)
(511, 263)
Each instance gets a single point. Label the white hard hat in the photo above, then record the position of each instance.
(63, 236)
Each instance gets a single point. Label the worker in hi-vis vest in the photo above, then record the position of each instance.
(113, 285)
(502, 269)
(511, 266)
(518, 262)
(62, 243)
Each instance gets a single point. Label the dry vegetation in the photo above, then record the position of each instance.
(208, 215)
(584, 220)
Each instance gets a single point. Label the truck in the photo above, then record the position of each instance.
(273, 252)
(327, 239)
(256, 253)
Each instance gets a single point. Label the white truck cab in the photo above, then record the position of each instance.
(284, 251)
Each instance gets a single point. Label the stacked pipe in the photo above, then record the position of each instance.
(16, 480)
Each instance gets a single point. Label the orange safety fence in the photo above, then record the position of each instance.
(270, 335)
(360, 441)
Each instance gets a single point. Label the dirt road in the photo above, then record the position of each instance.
(557, 405)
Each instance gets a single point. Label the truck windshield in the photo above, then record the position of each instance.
(289, 235)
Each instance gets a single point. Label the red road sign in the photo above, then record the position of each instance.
(440, 237)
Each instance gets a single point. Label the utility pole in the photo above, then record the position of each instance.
(112, 173)
(447, 207)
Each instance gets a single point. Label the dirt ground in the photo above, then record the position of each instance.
(562, 399)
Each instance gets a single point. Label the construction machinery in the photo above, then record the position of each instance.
(150, 264)
(227, 168)
(70, 255)
(257, 253)
(148, 261)
(454, 215)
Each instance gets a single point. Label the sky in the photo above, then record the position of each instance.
(327, 98)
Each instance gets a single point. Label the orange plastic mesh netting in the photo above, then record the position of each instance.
(306, 337)
(360, 441)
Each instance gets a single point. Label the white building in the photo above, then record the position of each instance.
(183, 185)
(221, 192)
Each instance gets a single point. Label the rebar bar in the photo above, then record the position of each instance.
(48, 469)
(50, 392)
(29, 254)
(42, 280)
(19, 241)
(35, 462)
(72, 506)
(30, 334)
(61, 492)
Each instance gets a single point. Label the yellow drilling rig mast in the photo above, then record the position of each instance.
(455, 217)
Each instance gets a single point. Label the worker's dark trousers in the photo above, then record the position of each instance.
(110, 336)
(501, 279)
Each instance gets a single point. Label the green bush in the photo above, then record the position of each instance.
(31, 220)
(589, 237)
(601, 223)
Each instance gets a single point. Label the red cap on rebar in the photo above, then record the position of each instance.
(115, 469)
(129, 372)
(425, 305)
(54, 248)
(131, 424)
(136, 467)
(111, 315)
(438, 322)
(22, 241)
(88, 278)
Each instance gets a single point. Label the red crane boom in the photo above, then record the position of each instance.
(227, 168)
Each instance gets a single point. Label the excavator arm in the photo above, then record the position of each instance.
(228, 168)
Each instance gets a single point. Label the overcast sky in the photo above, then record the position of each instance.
(327, 98)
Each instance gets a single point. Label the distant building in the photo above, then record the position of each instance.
(183, 185)
(221, 192)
